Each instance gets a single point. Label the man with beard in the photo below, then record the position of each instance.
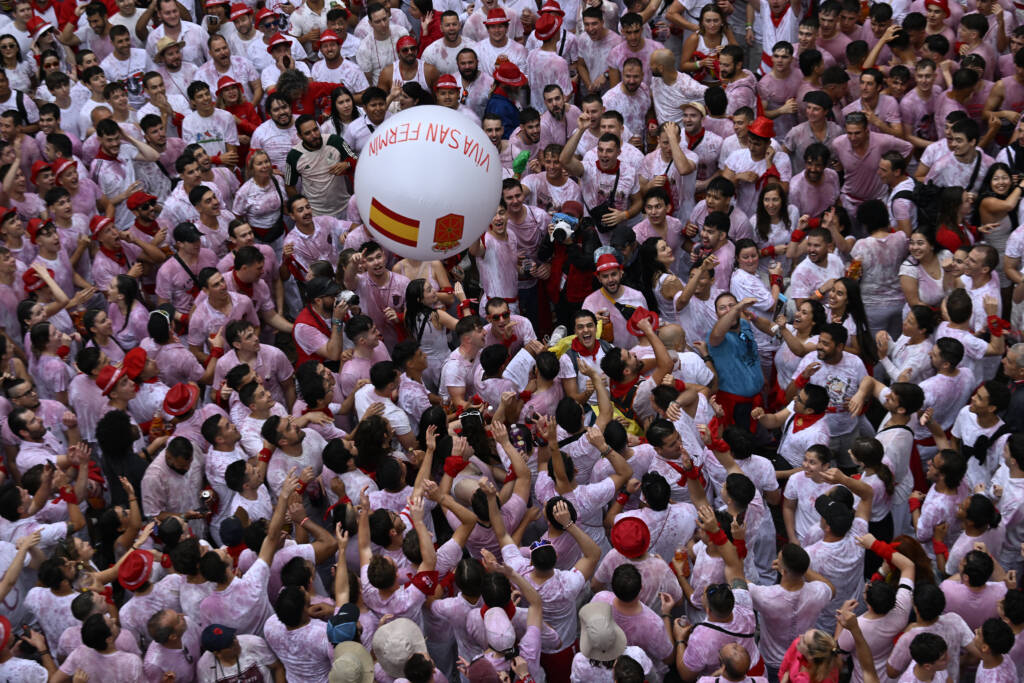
(631, 97)
(176, 72)
(526, 138)
(475, 84)
(268, 22)
(840, 372)
(508, 80)
(223, 63)
(381, 291)
(499, 44)
(375, 106)
(559, 119)
(380, 48)
(552, 188)
(277, 135)
(213, 222)
(219, 308)
(605, 300)
(58, 421)
(322, 166)
(218, 177)
(334, 68)
(704, 143)
(778, 89)
(443, 53)
(859, 152)
(635, 45)
(447, 91)
(750, 167)
(815, 188)
(158, 176)
(739, 84)
(529, 224)
(408, 68)
(671, 89)
(319, 326)
(595, 44)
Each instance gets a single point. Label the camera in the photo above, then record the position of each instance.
(347, 297)
(564, 226)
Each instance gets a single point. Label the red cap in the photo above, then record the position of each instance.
(226, 82)
(547, 26)
(134, 362)
(139, 198)
(97, 224)
(135, 570)
(633, 324)
(405, 41)
(108, 378)
(180, 399)
(496, 16)
(327, 36)
(239, 9)
(263, 14)
(38, 167)
(553, 7)
(36, 26)
(762, 127)
(446, 82)
(30, 278)
(61, 164)
(6, 212)
(509, 74)
(573, 208)
(606, 262)
(941, 4)
(34, 226)
(631, 537)
(277, 39)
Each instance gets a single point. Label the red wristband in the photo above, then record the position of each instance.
(768, 251)
(692, 473)
(622, 498)
(719, 537)
(217, 351)
(914, 503)
(996, 326)
(775, 279)
(741, 546)
(884, 550)
(301, 488)
(265, 454)
(940, 548)
(454, 464)
(511, 476)
(800, 382)
(797, 236)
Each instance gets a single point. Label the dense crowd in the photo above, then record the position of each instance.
(730, 389)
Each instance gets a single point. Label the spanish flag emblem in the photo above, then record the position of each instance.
(393, 225)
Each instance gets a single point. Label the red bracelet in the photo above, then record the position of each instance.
(940, 548)
(265, 454)
(216, 351)
(301, 488)
(454, 464)
(800, 382)
(884, 550)
(692, 473)
(510, 476)
(719, 537)
(996, 325)
(741, 546)
(797, 236)
(775, 279)
(914, 503)
(622, 498)
(768, 251)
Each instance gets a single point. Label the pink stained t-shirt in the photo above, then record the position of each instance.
(975, 606)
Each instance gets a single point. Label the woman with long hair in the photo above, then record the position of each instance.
(813, 657)
(926, 275)
(49, 348)
(869, 455)
(659, 285)
(343, 112)
(699, 57)
(846, 308)
(912, 350)
(799, 338)
(658, 223)
(879, 256)
(118, 526)
(433, 272)
(231, 98)
(48, 61)
(260, 200)
(128, 314)
(981, 521)
(99, 332)
(429, 324)
(998, 215)
(773, 224)
(952, 229)
(21, 72)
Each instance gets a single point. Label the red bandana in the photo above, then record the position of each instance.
(509, 342)
(116, 255)
(510, 610)
(579, 348)
(801, 422)
(243, 287)
(150, 229)
(693, 140)
(620, 389)
(611, 171)
(100, 154)
(325, 411)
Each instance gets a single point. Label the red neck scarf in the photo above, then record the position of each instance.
(620, 389)
(510, 341)
(611, 171)
(325, 411)
(150, 229)
(101, 154)
(693, 140)
(115, 255)
(777, 19)
(582, 350)
(243, 287)
(801, 422)
(510, 610)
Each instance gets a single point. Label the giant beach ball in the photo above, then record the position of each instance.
(427, 183)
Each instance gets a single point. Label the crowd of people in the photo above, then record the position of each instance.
(730, 389)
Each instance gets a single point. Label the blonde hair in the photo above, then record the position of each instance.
(822, 654)
(252, 157)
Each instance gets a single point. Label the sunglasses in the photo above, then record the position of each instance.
(148, 205)
(507, 315)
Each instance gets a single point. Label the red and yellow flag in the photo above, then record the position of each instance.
(394, 225)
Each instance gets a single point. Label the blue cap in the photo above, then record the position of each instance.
(342, 626)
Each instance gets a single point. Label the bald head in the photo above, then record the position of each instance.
(735, 661)
(662, 61)
(672, 336)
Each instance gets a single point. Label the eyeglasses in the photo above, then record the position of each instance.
(507, 315)
(31, 390)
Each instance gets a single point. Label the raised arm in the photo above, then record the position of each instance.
(859, 488)
(276, 524)
(428, 554)
(341, 593)
(568, 156)
(587, 564)
(363, 530)
(623, 470)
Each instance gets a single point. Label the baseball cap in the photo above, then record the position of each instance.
(341, 627)
(322, 286)
(216, 637)
(836, 514)
(186, 232)
(138, 199)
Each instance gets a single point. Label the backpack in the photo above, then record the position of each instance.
(927, 198)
